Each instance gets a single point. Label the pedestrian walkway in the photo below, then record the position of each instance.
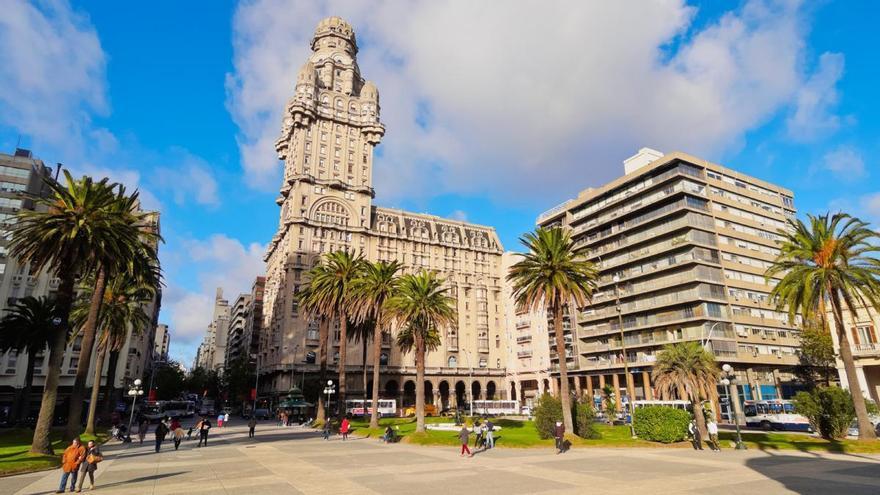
(293, 460)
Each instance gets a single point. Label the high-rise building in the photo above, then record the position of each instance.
(528, 361)
(861, 331)
(683, 245)
(162, 342)
(212, 351)
(329, 131)
(239, 315)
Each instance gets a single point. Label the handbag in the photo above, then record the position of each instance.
(94, 458)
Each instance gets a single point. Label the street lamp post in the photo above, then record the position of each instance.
(626, 376)
(728, 379)
(709, 337)
(470, 391)
(134, 392)
(329, 390)
(256, 385)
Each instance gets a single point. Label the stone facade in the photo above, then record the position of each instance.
(329, 131)
(862, 335)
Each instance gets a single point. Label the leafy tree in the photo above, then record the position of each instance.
(829, 409)
(239, 376)
(832, 261)
(363, 331)
(610, 400)
(661, 424)
(421, 307)
(372, 292)
(169, 381)
(547, 411)
(204, 382)
(689, 371)
(584, 414)
(27, 329)
(553, 275)
(816, 357)
(60, 235)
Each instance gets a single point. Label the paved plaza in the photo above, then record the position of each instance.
(293, 460)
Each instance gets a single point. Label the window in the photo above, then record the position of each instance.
(452, 362)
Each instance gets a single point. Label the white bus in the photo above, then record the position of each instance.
(179, 408)
(675, 404)
(774, 414)
(496, 407)
(387, 407)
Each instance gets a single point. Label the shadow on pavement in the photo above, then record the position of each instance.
(848, 477)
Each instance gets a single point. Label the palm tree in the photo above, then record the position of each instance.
(372, 292)
(331, 283)
(420, 308)
(688, 370)
(360, 333)
(27, 329)
(310, 304)
(125, 243)
(553, 275)
(122, 308)
(59, 235)
(833, 260)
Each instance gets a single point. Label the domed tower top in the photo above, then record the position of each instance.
(333, 29)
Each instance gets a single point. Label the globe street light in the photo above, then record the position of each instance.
(329, 390)
(134, 392)
(728, 378)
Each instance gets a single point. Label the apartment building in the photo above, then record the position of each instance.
(528, 344)
(330, 129)
(239, 314)
(682, 245)
(212, 351)
(162, 342)
(861, 330)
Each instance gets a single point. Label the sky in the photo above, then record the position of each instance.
(494, 111)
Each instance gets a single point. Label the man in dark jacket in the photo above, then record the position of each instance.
(161, 432)
(203, 427)
(559, 434)
(252, 425)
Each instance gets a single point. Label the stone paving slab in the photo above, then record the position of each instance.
(296, 461)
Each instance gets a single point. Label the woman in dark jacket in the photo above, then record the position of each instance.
(89, 465)
(161, 431)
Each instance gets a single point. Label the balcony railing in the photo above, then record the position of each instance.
(524, 354)
(866, 349)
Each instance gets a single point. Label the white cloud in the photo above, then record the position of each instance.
(52, 79)
(459, 215)
(538, 98)
(845, 163)
(815, 101)
(870, 204)
(189, 179)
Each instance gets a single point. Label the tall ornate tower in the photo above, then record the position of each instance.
(329, 129)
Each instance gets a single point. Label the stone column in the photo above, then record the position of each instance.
(615, 382)
(646, 380)
(750, 380)
(601, 382)
(737, 407)
(631, 387)
(577, 386)
(590, 387)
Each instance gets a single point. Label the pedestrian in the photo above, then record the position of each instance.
(226, 418)
(252, 425)
(73, 455)
(389, 434)
(142, 429)
(220, 418)
(712, 428)
(695, 435)
(177, 432)
(478, 434)
(344, 427)
(490, 436)
(161, 432)
(464, 437)
(559, 435)
(327, 430)
(203, 427)
(88, 467)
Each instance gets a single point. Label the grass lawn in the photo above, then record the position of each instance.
(14, 455)
(522, 434)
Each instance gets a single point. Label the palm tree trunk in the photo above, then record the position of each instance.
(111, 383)
(24, 401)
(699, 418)
(564, 397)
(420, 383)
(364, 361)
(866, 429)
(343, 344)
(323, 335)
(96, 387)
(377, 357)
(74, 417)
(64, 298)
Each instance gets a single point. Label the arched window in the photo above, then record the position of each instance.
(325, 100)
(331, 212)
(452, 362)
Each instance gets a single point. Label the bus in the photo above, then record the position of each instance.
(675, 404)
(155, 411)
(387, 407)
(496, 407)
(774, 414)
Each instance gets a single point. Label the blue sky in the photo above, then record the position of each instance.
(492, 115)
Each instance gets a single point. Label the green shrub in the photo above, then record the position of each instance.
(661, 424)
(547, 411)
(829, 409)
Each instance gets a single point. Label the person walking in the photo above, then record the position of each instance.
(177, 432)
(712, 429)
(490, 435)
(161, 432)
(73, 455)
(88, 467)
(226, 418)
(559, 435)
(220, 418)
(478, 434)
(464, 437)
(143, 426)
(344, 428)
(327, 430)
(203, 427)
(694, 432)
(252, 425)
